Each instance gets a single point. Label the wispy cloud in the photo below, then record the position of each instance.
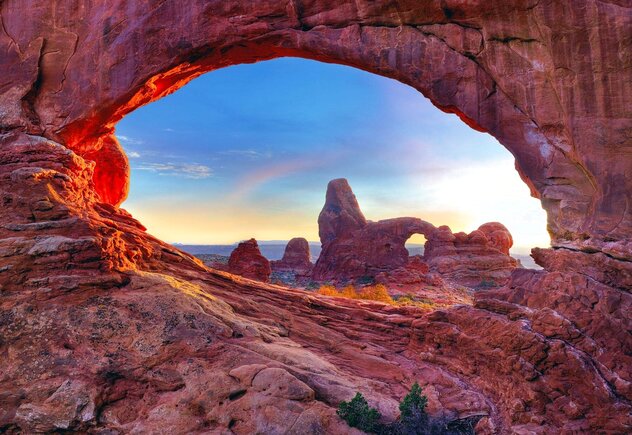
(126, 140)
(133, 155)
(170, 130)
(187, 170)
(249, 154)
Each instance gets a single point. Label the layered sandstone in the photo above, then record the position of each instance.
(479, 259)
(297, 258)
(104, 328)
(246, 260)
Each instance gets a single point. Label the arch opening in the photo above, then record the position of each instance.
(261, 171)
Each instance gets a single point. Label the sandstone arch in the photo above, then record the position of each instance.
(79, 277)
(503, 67)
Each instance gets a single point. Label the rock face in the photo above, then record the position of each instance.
(353, 247)
(246, 260)
(479, 259)
(411, 276)
(341, 215)
(527, 74)
(296, 258)
(104, 328)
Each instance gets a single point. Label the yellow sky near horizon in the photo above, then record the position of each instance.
(463, 199)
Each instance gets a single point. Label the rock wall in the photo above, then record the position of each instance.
(103, 327)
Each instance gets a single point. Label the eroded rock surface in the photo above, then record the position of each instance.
(528, 72)
(353, 248)
(246, 260)
(479, 260)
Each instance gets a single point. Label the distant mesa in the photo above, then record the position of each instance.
(246, 260)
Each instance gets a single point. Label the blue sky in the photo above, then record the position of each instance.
(247, 151)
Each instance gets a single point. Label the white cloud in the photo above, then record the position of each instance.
(126, 140)
(187, 170)
(133, 155)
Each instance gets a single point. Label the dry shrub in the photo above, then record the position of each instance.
(328, 290)
(376, 292)
(372, 293)
(424, 304)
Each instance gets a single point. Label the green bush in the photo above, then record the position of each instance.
(358, 414)
(413, 419)
(413, 403)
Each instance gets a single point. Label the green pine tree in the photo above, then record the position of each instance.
(358, 414)
(414, 404)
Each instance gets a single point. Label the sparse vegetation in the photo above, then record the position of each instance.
(413, 419)
(376, 292)
(413, 410)
(357, 413)
(365, 280)
(410, 300)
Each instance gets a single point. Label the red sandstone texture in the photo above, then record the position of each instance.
(410, 277)
(296, 258)
(246, 260)
(104, 328)
(479, 259)
(353, 247)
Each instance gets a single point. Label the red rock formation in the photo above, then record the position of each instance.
(296, 258)
(341, 215)
(246, 260)
(104, 328)
(409, 278)
(478, 259)
(354, 248)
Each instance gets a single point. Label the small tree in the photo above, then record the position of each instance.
(357, 413)
(413, 416)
